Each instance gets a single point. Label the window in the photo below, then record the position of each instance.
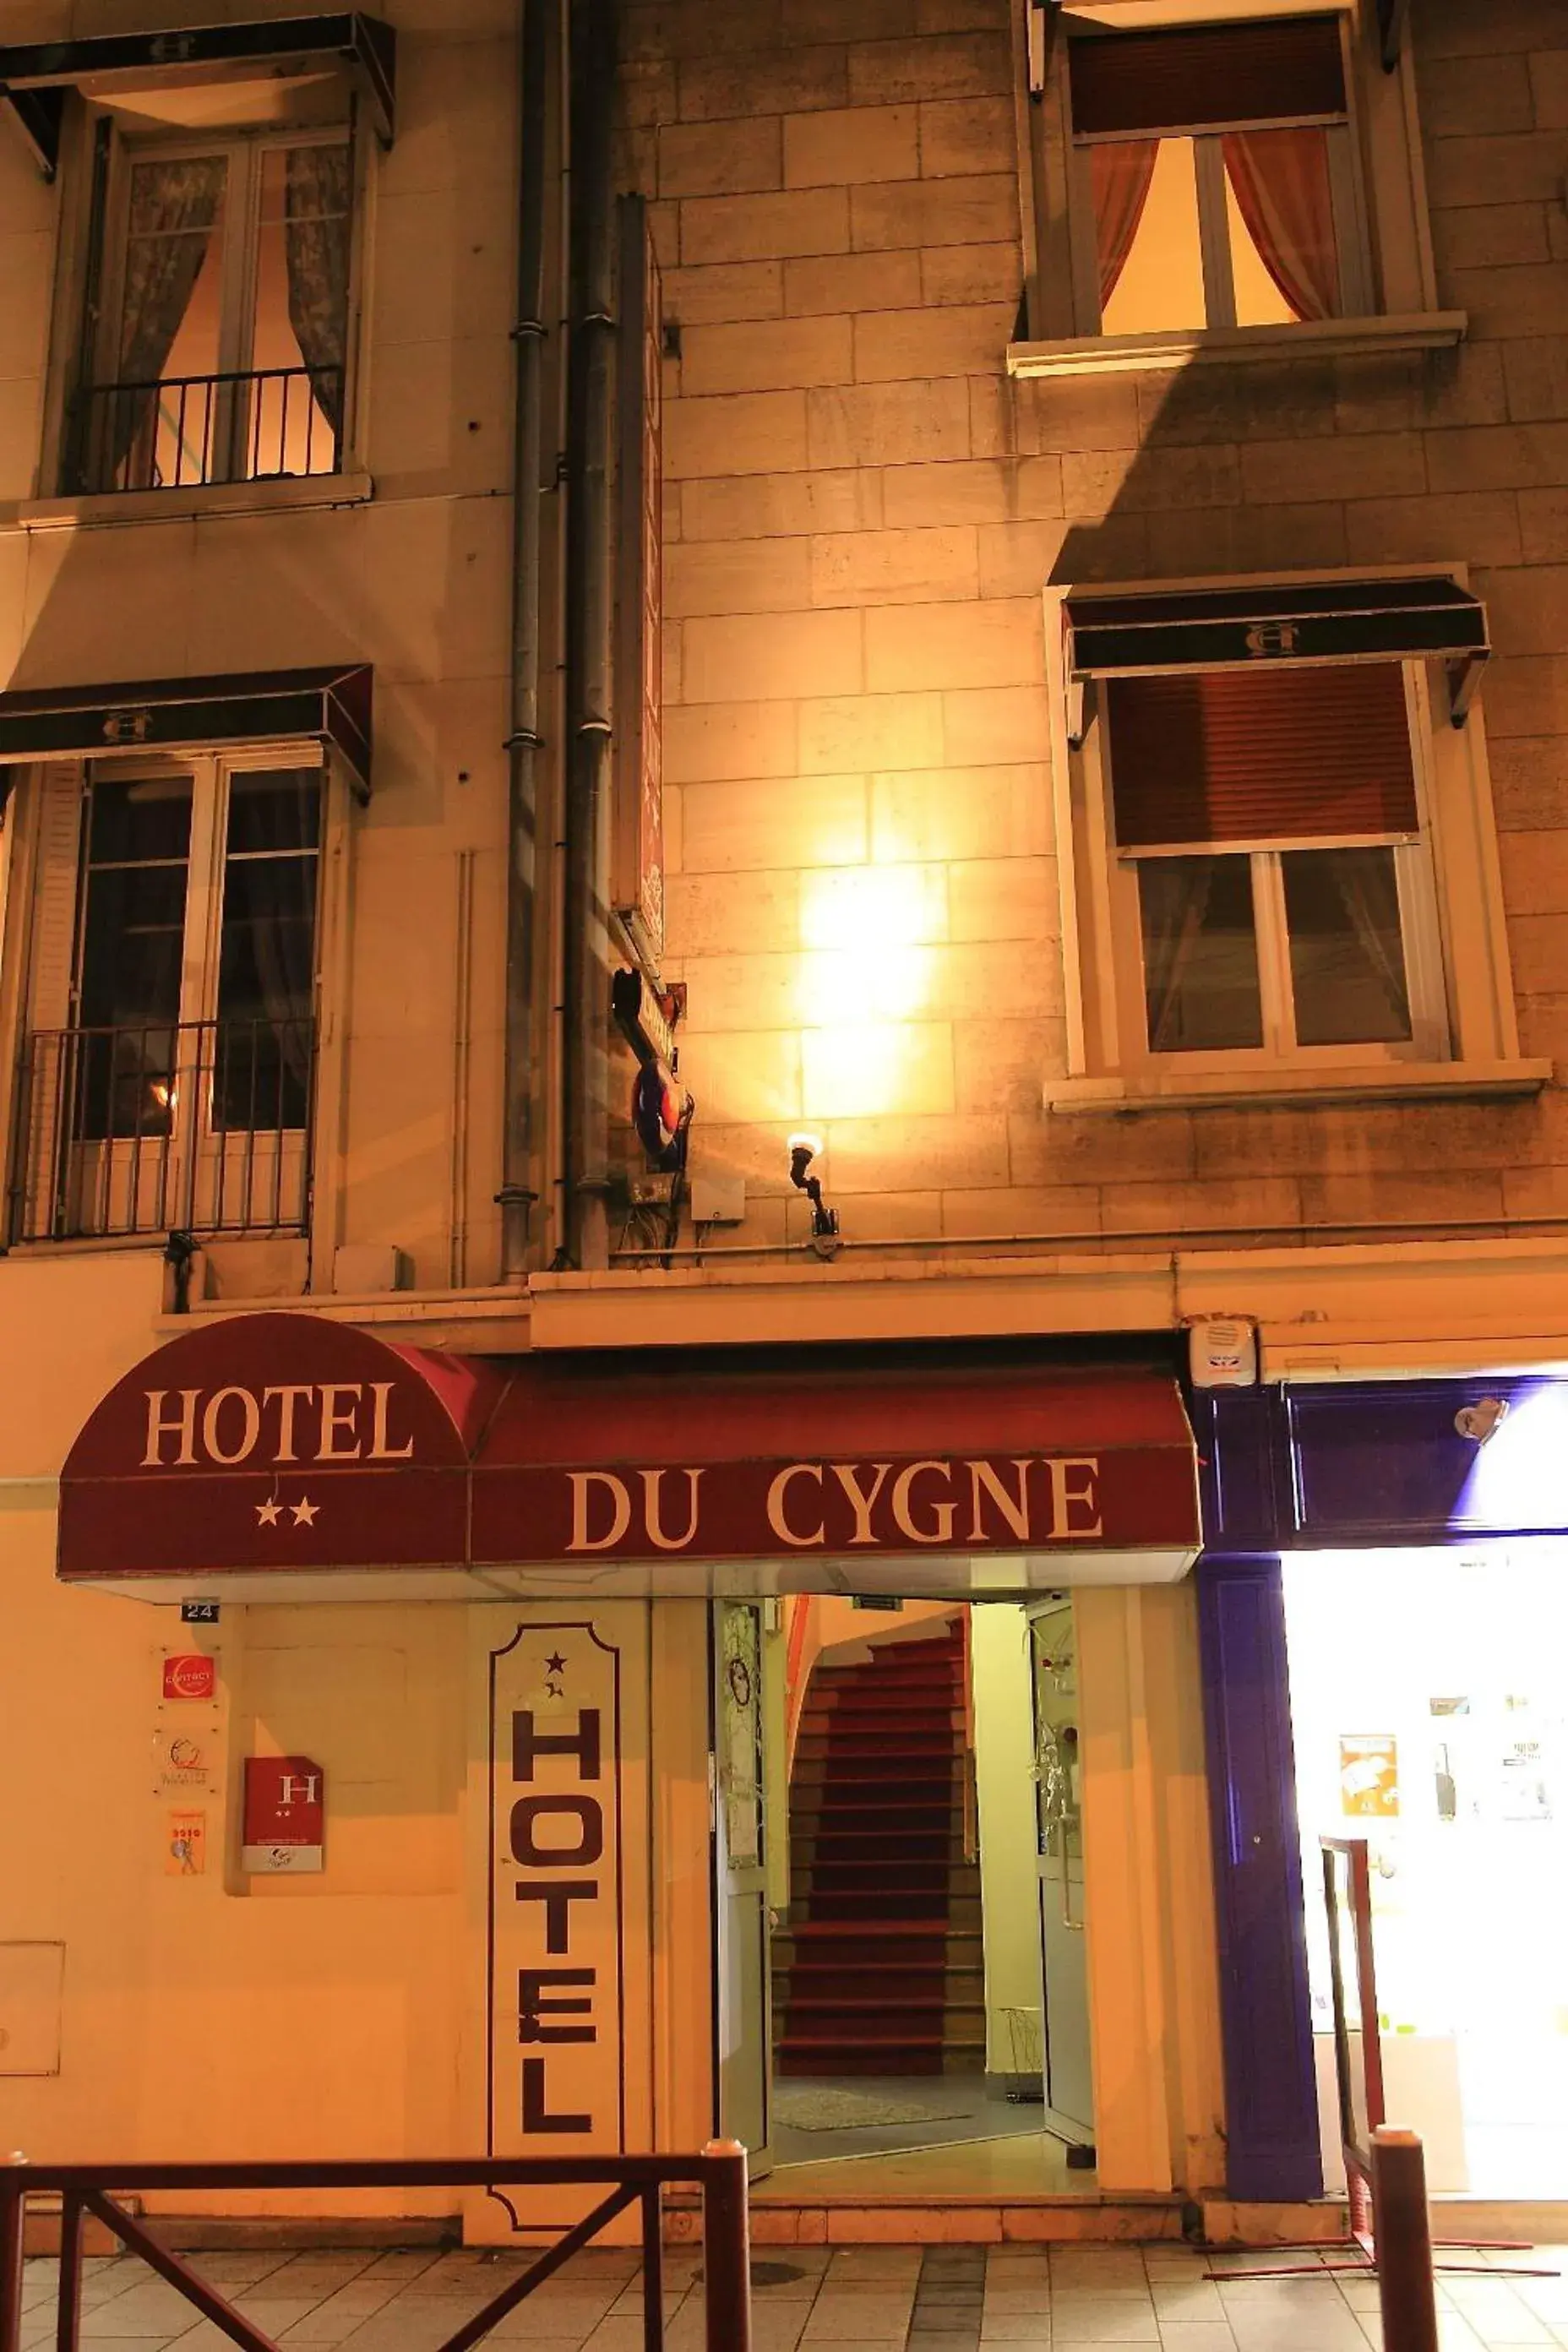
(1272, 863)
(1275, 843)
(217, 350)
(1216, 177)
(169, 1061)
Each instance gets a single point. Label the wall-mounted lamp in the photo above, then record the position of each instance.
(802, 1150)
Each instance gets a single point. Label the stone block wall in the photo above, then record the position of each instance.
(861, 514)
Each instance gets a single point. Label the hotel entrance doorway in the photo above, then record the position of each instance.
(899, 1898)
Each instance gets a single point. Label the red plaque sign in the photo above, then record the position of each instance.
(285, 1808)
(190, 1676)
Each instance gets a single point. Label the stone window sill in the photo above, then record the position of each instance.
(1231, 1089)
(1433, 330)
(346, 490)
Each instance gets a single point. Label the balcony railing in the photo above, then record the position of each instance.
(187, 432)
(203, 1126)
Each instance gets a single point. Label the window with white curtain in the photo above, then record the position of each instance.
(221, 349)
(1273, 877)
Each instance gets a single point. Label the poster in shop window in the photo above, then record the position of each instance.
(1368, 1775)
(557, 1991)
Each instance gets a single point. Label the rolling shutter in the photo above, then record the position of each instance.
(1246, 756)
(1195, 78)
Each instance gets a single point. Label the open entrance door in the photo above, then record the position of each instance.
(1064, 2052)
(742, 2009)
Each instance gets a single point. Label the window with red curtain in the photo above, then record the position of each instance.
(1236, 118)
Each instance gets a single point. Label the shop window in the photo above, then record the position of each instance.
(1215, 165)
(168, 1061)
(218, 352)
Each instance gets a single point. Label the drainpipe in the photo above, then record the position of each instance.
(520, 1188)
(590, 606)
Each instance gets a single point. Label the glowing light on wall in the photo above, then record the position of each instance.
(867, 973)
(866, 931)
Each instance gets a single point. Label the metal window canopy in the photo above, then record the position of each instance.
(1425, 618)
(34, 77)
(331, 707)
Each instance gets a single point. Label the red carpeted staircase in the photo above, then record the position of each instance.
(880, 1972)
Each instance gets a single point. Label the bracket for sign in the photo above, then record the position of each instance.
(1039, 25)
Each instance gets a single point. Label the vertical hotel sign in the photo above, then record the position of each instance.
(557, 1965)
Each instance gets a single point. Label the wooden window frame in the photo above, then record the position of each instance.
(1389, 277)
(91, 255)
(1347, 195)
(24, 881)
(242, 151)
(1451, 911)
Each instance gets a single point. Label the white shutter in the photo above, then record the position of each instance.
(51, 963)
(44, 1120)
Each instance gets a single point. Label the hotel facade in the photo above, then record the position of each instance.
(782, 960)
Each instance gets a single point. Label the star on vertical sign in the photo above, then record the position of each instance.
(554, 1668)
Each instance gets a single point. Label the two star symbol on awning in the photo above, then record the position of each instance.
(270, 1515)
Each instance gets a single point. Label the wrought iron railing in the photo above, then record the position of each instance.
(83, 2190)
(200, 1126)
(186, 432)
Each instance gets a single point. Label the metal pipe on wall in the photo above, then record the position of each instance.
(520, 1188)
(589, 630)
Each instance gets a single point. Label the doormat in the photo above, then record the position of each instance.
(832, 2110)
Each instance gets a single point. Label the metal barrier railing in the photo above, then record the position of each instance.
(189, 432)
(83, 2188)
(203, 1126)
(1402, 2238)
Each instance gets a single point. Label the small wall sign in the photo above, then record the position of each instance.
(188, 1675)
(185, 1855)
(285, 1810)
(183, 1761)
(199, 1613)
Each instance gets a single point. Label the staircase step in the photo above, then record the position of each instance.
(867, 1780)
(944, 1845)
(939, 1701)
(881, 1944)
(938, 1907)
(852, 2015)
(901, 1869)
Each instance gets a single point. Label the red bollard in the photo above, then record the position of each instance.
(13, 2217)
(1402, 2241)
(726, 2249)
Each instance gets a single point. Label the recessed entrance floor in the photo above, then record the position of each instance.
(830, 2119)
(1023, 2164)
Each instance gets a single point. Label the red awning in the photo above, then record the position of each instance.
(285, 1447)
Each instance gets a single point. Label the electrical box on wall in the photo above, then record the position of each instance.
(718, 1200)
(1222, 1354)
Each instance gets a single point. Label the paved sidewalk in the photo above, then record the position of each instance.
(818, 2299)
